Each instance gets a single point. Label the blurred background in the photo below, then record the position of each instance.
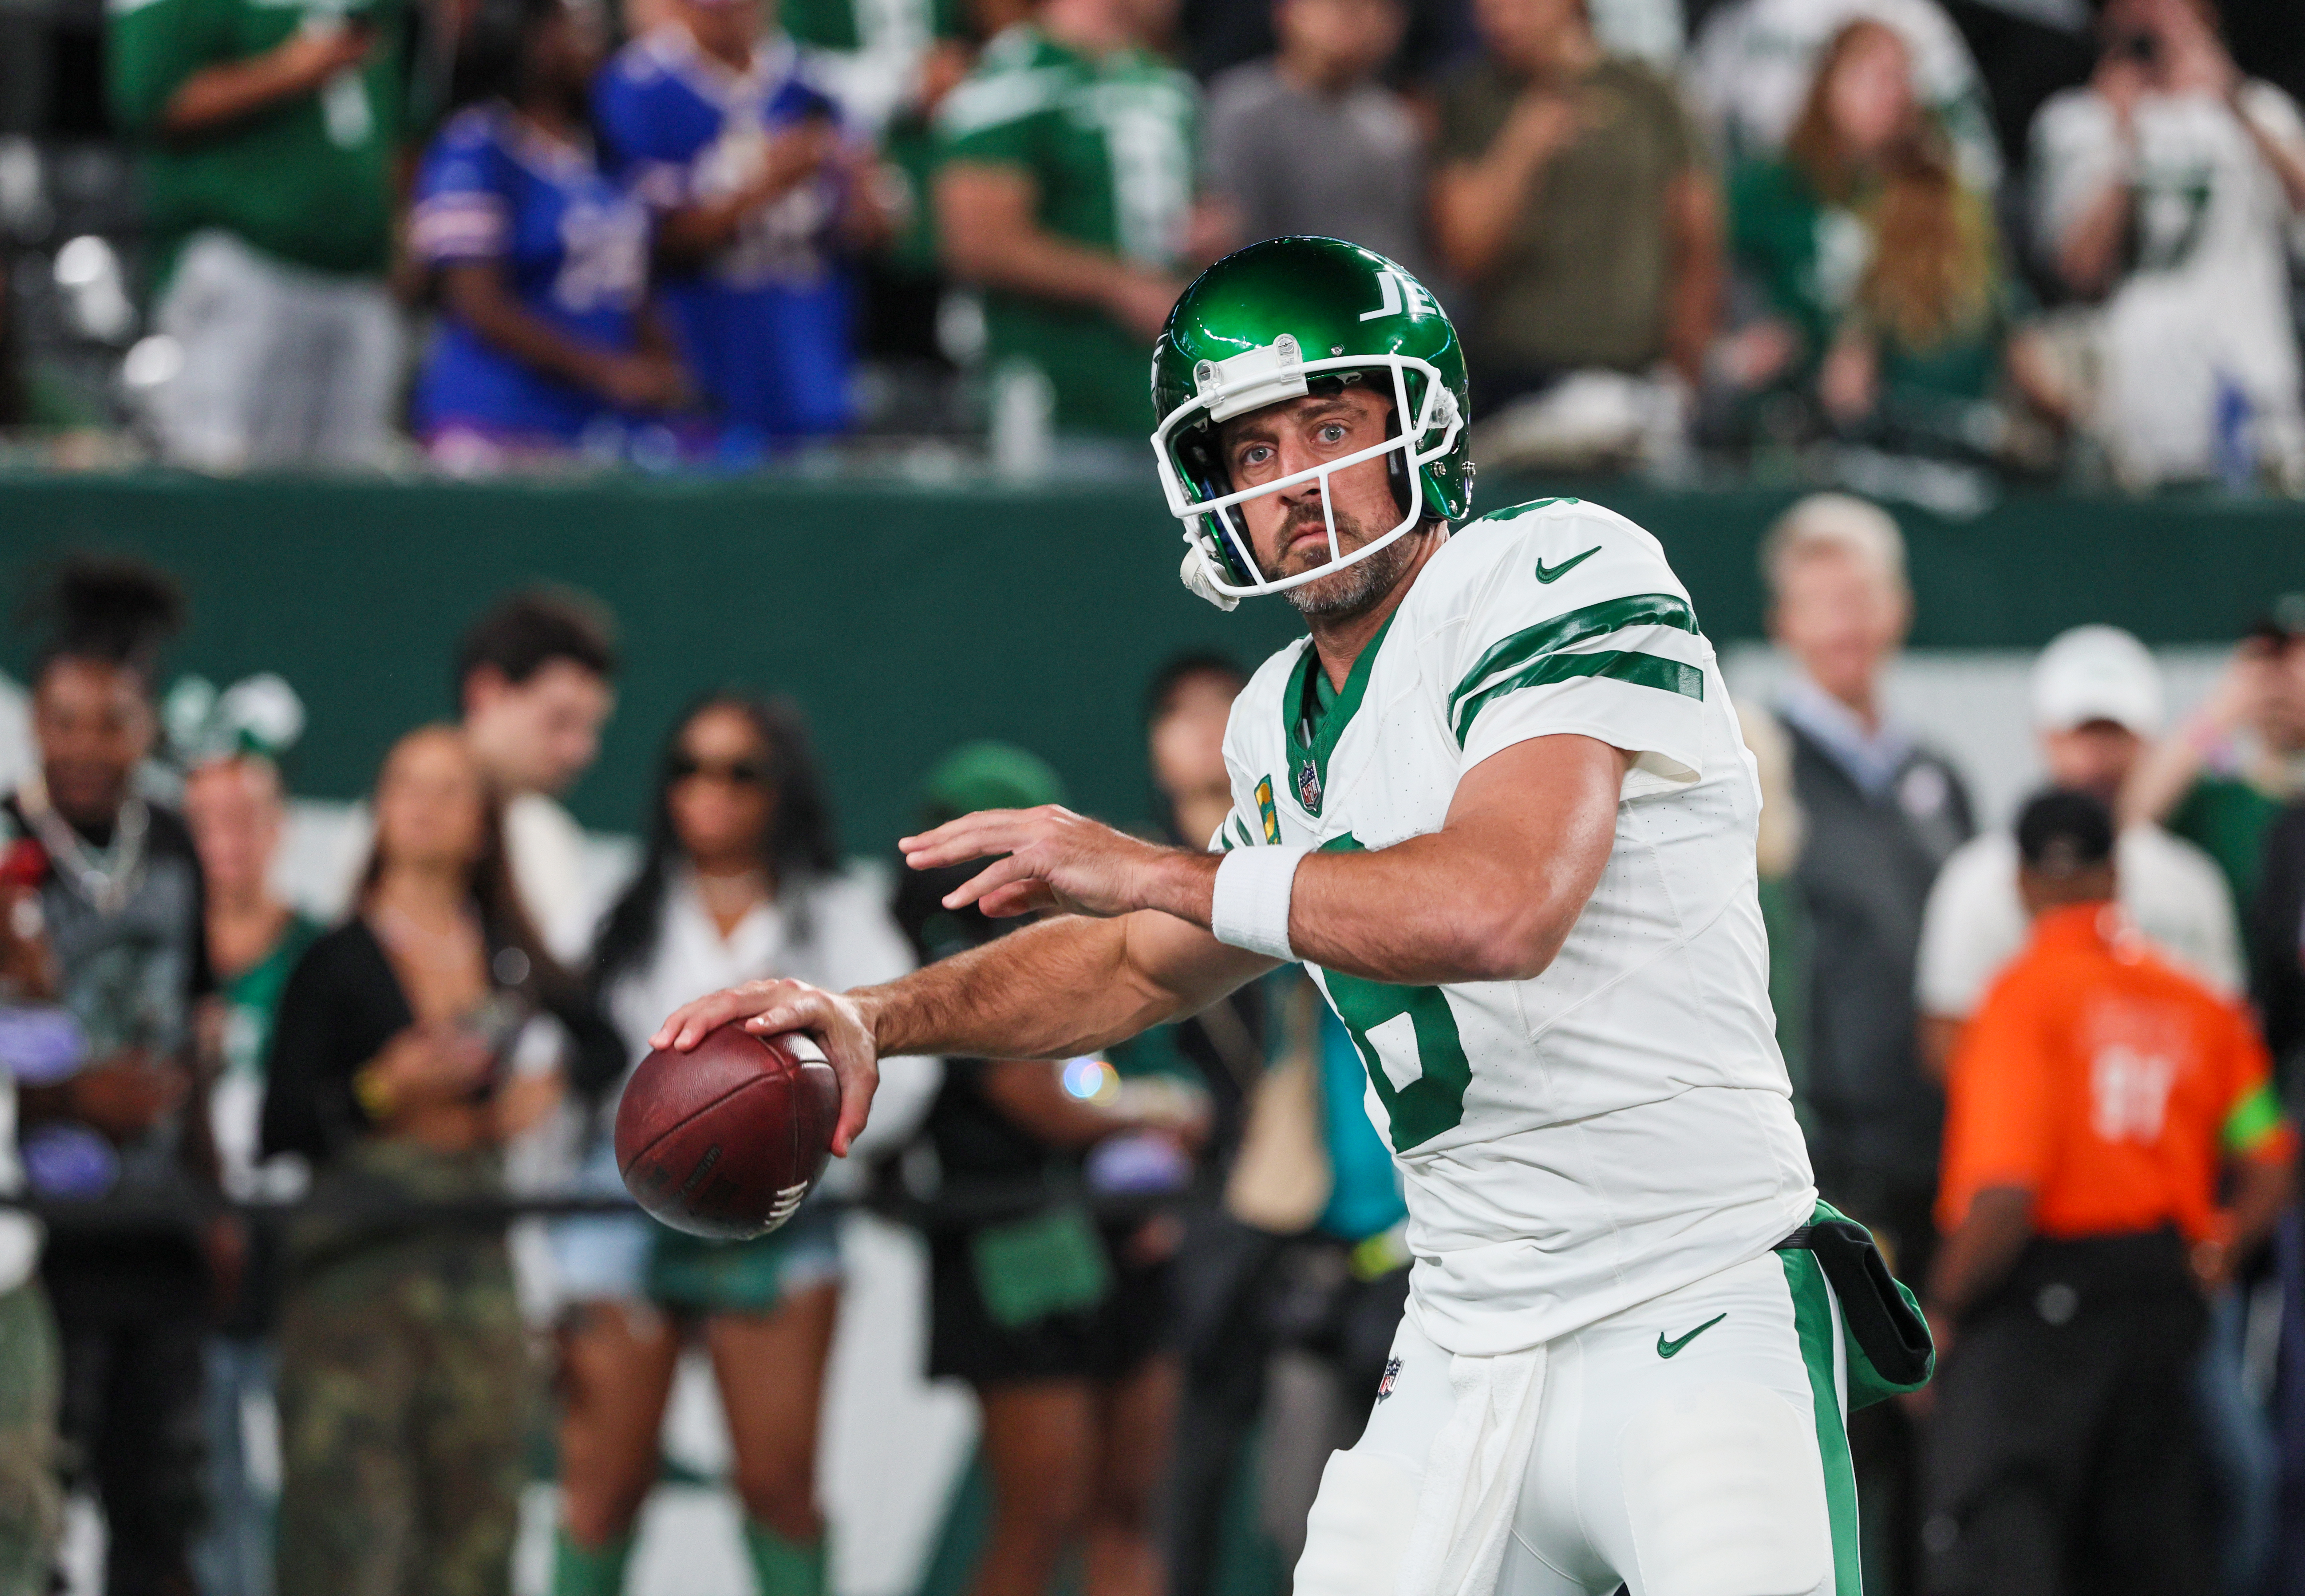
(722, 423)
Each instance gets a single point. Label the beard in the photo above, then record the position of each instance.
(1346, 593)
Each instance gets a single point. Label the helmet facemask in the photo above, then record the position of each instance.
(1220, 560)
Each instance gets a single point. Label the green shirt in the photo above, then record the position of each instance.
(1809, 256)
(307, 180)
(2228, 818)
(1584, 275)
(1109, 146)
(852, 25)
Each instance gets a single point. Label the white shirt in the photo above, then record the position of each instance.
(1621, 1125)
(2207, 303)
(837, 935)
(1975, 923)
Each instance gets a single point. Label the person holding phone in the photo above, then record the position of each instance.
(389, 1072)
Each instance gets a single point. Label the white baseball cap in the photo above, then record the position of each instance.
(2097, 672)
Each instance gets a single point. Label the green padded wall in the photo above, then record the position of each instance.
(908, 619)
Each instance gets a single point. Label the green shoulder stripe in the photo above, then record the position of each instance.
(2254, 1121)
(1617, 665)
(1531, 647)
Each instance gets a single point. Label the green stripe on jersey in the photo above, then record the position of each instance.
(1642, 670)
(1566, 630)
(1820, 1340)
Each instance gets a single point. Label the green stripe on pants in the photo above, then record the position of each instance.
(1820, 1336)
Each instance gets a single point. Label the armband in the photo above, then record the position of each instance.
(1250, 906)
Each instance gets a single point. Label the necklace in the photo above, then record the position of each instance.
(108, 876)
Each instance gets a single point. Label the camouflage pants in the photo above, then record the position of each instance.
(32, 1506)
(406, 1381)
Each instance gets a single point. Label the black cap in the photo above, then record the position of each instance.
(2063, 833)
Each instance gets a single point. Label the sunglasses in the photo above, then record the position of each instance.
(742, 773)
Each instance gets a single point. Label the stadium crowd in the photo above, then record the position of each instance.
(318, 1126)
(2014, 238)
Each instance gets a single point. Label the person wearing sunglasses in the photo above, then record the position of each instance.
(742, 879)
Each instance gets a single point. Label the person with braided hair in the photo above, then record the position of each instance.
(122, 909)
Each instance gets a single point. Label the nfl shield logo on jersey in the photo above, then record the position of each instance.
(1308, 786)
(1391, 1376)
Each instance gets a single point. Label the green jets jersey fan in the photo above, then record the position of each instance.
(309, 181)
(1107, 144)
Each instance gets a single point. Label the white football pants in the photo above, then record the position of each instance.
(1691, 1445)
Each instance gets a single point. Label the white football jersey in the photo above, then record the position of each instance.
(1622, 1125)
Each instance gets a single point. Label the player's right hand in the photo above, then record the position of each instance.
(839, 1023)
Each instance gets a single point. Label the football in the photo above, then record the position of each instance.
(726, 1141)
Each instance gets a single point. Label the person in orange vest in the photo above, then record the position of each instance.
(2100, 1101)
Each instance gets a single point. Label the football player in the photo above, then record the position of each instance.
(1497, 804)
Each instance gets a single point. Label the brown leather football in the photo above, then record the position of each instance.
(725, 1140)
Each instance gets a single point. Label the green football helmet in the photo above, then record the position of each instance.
(1275, 321)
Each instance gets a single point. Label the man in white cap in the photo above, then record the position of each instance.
(2096, 707)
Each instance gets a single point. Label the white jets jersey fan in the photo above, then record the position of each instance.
(1621, 1125)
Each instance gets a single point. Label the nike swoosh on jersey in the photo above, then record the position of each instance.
(1550, 573)
(1665, 1348)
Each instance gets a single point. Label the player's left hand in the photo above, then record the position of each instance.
(1054, 860)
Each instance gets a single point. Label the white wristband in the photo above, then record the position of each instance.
(1250, 907)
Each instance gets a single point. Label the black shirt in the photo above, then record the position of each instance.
(343, 1004)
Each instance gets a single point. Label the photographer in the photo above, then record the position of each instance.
(2164, 189)
(404, 1371)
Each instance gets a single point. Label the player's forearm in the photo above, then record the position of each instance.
(1429, 911)
(1052, 990)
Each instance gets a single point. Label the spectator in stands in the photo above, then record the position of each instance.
(1573, 200)
(711, 117)
(32, 1506)
(1751, 66)
(233, 809)
(2097, 705)
(1221, 1267)
(2222, 776)
(1311, 141)
(1076, 224)
(1059, 1319)
(1879, 265)
(405, 1384)
(2098, 1100)
(122, 915)
(547, 342)
(535, 683)
(2166, 188)
(742, 882)
(1879, 814)
(270, 134)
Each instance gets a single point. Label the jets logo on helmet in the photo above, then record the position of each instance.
(1273, 322)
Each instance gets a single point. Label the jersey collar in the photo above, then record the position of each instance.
(1308, 760)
